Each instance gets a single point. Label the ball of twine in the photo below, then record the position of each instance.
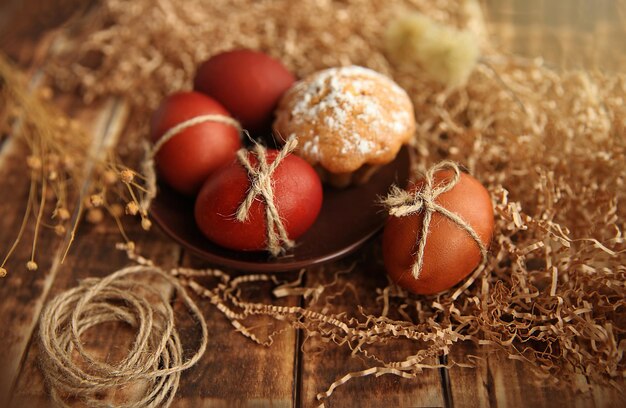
(155, 357)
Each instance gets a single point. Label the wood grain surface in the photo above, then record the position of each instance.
(234, 371)
(324, 363)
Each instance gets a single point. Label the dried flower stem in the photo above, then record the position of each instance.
(29, 201)
(72, 236)
(42, 204)
(58, 164)
(118, 222)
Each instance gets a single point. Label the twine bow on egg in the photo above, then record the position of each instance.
(261, 186)
(401, 203)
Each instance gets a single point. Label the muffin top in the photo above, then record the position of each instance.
(346, 117)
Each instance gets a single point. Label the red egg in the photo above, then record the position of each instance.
(248, 83)
(186, 160)
(450, 254)
(297, 196)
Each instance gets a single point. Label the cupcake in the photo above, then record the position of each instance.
(349, 121)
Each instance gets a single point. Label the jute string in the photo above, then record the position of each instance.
(261, 186)
(148, 165)
(401, 203)
(155, 359)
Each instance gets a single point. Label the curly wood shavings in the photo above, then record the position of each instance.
(548, 145)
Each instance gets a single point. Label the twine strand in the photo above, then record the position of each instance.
(261, 186)
(401, 203)
(155, 357)
(148, 165)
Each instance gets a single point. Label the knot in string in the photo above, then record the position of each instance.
(148, 167)
(401, 203)
(261, 186)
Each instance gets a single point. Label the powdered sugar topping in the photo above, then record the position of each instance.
(311, 148)
(335, 97)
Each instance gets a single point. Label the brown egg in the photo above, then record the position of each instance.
(450, 253)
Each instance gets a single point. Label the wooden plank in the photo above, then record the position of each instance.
(20, 290)
(236, 371)
(323, 363)
(469, 387)
(23, 291)
(609, 397)
(498, 381)
(26, 27)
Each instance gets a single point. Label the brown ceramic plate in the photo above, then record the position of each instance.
(348, 218)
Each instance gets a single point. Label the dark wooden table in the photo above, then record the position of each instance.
(234, 371)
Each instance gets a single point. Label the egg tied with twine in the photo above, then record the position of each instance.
(261, 187)
(402, 203)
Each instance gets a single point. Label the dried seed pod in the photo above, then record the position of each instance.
(127, 175)
(132, 208)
